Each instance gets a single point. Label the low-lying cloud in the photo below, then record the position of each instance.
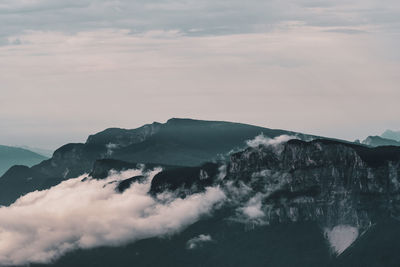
(44, 225)
(266, 141)
(198, 241)
(253, 209)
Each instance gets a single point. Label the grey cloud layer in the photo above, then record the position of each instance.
(191, 17)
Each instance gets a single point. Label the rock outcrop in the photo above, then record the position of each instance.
(330, 182)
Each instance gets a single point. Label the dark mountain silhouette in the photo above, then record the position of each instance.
(178, 142)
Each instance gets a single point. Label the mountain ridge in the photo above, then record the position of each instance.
(184, 142)
(375, 141)
(390, 134)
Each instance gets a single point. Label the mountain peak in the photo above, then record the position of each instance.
(390, 134)
(375, 141)
(124, 137)
(10, 156)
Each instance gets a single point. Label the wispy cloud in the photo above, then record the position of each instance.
(198, 241)
(262, 140)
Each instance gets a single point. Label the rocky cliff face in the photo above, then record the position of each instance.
(344, 188)
(333, 182)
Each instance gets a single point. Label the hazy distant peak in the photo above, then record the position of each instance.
(375, 141)
(10, 156)
(41, 151)
(390, 134)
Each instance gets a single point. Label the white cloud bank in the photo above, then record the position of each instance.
(43, 225)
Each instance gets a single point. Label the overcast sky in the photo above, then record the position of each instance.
(71, 68)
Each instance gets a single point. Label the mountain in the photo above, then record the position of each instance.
(376, 141)
(183, 142)
(394, 135)
(272, 201)
(10, 156)
(294, 203)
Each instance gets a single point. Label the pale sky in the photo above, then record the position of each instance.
(72, 68)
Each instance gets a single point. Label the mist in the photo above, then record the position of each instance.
(83, 213)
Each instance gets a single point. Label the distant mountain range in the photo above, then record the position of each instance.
(394, 135)
(376, 141)
(41, 151)
(388, 138)
(228, 194)
(10, 156)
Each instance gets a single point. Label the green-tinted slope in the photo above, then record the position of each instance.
(191, 142)
(10, 156)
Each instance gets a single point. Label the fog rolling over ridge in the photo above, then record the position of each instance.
(42, 226)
